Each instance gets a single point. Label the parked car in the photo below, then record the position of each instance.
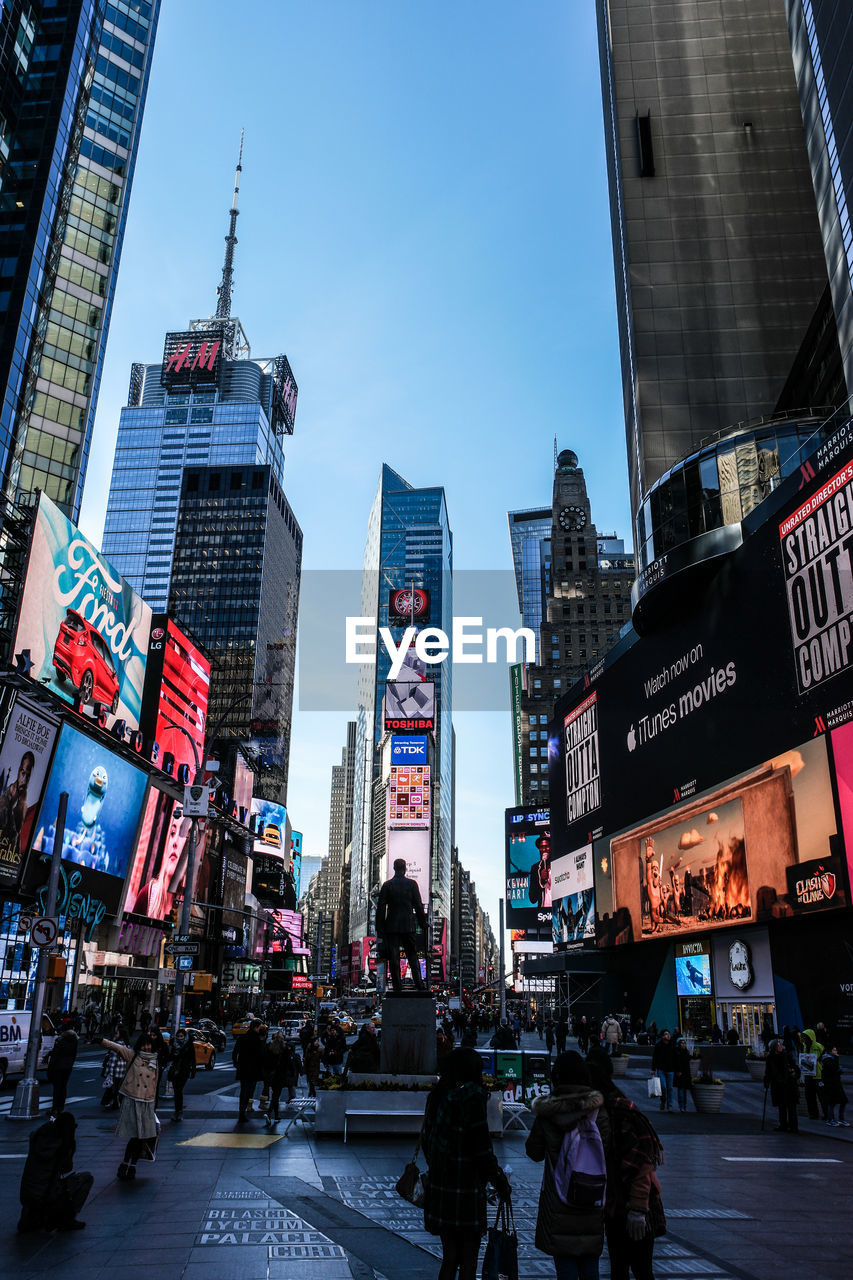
(214, 1033)
(81, 655)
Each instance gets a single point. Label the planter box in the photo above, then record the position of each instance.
(756, 1068)
(708, 1098)
(620, 1066)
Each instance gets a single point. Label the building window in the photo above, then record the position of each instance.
(176, 415)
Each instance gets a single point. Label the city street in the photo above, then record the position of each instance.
(224, 1202)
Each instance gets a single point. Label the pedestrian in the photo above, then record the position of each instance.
(663, 1062)
(612, 1033)
(51, 1193)
(306, 1033)
(681, 1073)
(137, 1120)
(112, 1073)
(549, 1035)
(334, 1050)
(732, 1036)
(145, 1019)
(460, 1162)
(833, 1090)
(181, 1068)
(782, 1076)
(280, 1072)
(812, 1081)
(716, 1034)
(312, 1059)
(363, 1057)
(573, 1235)
(248, 1058)
(540, 1024)
(561, 1034)
(60, 1063)
(633, 1209)
(583, 1036)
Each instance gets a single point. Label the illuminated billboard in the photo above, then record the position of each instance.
(174, 704)
(408, 607)
(408, 802)
(159, 865)
(296, 860)
(409, 750)
(693, 975)
(86, 630)
(528, 869)
(414, 847)
(409, 706)
(271, 828)
(192, 358)
(573, 898)
(105, 798)
(27, 741)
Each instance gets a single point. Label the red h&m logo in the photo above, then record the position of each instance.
(191, 356)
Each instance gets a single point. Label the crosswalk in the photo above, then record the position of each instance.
(44, 1102)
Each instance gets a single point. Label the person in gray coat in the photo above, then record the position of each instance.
(573, 1236)
(399, 912)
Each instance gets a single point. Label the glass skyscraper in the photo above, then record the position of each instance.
(409, 543)
(73, 81)
(530, 539)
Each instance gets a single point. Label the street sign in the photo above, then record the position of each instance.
(25, 922)
(44, 931)
(196, 801)
(186, 962)
(181, 948)
(181, 937)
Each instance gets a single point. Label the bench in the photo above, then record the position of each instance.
(359, 1111)
(513, 1116)
(301, 1109)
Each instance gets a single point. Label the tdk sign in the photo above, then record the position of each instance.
(408, 750)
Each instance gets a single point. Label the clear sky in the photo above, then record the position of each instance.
(424, 230)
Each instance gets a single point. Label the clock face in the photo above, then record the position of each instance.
(572, 518)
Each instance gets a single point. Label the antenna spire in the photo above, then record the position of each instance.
(555, 451)
(226, 288)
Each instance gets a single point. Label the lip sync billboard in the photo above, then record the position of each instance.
(708, 766)
(529, 897)
(27, 743)
(86, 630)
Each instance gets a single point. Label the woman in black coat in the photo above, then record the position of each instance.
(460, 1161)
(573, 1236)
(60, 1063)
(181, 1068)
(782, 1077)
(832, 1089)
(248, 1058)
(52, 1194)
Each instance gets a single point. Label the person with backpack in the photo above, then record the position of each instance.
(112, 1072)
(633, 1209)
(570, 1222)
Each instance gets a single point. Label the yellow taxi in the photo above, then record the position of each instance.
(205, 1054)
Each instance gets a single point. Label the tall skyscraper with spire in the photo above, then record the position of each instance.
(197, 520)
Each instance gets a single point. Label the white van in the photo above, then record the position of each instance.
(14, 1037)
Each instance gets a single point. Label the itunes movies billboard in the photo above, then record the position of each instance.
(86, 630)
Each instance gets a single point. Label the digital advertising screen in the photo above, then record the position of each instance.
(414, 847)
(296, 860)
(408, 606)
(409, 706)
(86, 630)
(27, 743)
(105, 799)
(693, 975)
(529, 898)
(408, 802)
(410, 750)
(271, 829)
(177, 690)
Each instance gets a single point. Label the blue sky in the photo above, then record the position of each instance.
(424, 230)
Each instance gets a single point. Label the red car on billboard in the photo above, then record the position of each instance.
(82, 656)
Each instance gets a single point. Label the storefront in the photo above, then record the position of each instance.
(743, 984)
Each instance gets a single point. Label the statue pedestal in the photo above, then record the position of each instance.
(408, 1035)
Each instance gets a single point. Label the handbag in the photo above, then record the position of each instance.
(500, 1261)
(654, 1086)
(410, 1184)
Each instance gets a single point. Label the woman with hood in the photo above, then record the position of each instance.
(460, 1161)
(572, 1235)
(279, 1068)
(137, 1119)
(52, 1194)
(681, 1073)
(181, 1068)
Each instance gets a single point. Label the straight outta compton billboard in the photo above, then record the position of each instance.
(709, 765)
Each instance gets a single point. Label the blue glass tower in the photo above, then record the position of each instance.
(73, 82)
(409, 543)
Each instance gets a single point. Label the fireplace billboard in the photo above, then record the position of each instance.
(709, 762)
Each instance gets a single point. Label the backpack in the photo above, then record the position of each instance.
(580, 1174)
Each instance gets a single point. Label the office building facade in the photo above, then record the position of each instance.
(409, 545)
(73, 83)
(718, 255)
(587, 604)
(530, 541)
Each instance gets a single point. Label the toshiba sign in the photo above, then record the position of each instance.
(191, 358)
